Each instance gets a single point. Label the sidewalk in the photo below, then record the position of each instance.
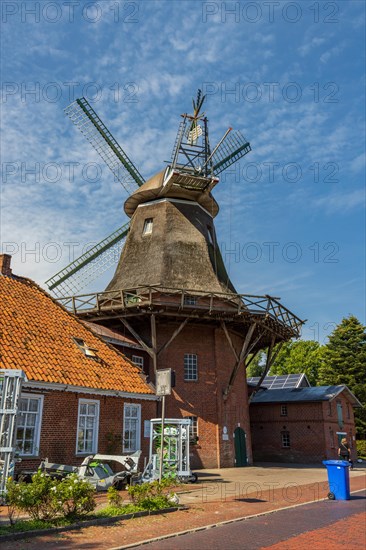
(219, 496)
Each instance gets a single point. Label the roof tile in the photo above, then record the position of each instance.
(36, 335)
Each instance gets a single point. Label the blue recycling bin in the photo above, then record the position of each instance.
(338, 478)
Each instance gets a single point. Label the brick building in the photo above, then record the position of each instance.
(302, 424)
(81, 395)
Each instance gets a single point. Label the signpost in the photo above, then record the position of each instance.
(163, 388)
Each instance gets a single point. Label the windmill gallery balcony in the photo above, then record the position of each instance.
(237, 309)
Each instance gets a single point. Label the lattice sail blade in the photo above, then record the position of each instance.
(232, 148)
(91, 126)
(89, 266)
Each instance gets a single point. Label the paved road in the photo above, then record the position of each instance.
(324, 524)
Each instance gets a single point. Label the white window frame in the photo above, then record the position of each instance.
(284, 409)
(190, 367)
(193, 429)
(125, 449)
(138, 360)
(148, 226)
(38, 424)
(286, 439)
(94, 449)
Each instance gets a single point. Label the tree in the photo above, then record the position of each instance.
(344, 362)
(257, 365)
(299, 356)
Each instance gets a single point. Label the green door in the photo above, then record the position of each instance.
(240, 447)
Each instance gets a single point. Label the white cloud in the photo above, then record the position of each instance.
(341, 202)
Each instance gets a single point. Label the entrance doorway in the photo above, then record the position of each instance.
(240, 447)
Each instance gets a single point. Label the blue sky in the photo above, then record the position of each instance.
(289, 75)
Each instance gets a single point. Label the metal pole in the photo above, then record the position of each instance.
(162, 439)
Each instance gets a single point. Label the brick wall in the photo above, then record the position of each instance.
(203, 398)
(312, 431)
(59, 427)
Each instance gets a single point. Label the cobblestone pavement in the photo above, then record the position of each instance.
(203, 511)
(328, 524)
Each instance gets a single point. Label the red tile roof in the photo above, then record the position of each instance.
(36, 335)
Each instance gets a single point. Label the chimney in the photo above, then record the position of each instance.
(5, 261)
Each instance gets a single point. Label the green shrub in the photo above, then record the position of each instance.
(114, 498)
(36, 499)
(361, 448)
(151, 496)
(75, 495)
(45, 498)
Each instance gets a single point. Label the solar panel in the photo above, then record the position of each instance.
(279, 381)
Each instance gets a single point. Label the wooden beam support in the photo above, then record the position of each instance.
(154, 342)
(173, 336)
(271, 356)
(242, 357)
(224, 328)
(137, 336)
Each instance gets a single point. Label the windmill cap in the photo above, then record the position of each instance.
(153, 188)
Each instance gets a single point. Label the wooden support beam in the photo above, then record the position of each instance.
(137, 336)
(224, 328)
(154, 342)
(271, 357)
(242, 357)
(173, 336)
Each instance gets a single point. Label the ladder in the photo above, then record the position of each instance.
(10, 389)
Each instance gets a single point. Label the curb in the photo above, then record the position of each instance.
(212, 525)
(86, 523)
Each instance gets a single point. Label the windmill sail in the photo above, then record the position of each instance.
(89, 266)
(230, 150)
(86, 119)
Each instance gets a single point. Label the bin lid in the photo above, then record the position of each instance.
(336, 462)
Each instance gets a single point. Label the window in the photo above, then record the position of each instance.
(193, 429)
(131, 428)
(190, 300)
(340, 414)
(29, 424)
(88, 352)
(284, 410)
(285, 436)
(148, 226)
(348, 411)
(190, 367)
(138, 360)
(88, 420)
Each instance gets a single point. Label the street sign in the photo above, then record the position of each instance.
(163, 381)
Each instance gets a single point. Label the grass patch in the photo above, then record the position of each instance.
(24, 525)
(113, 511)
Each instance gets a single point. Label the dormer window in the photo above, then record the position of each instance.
(87, 351)
(189, 300)
(148, 226)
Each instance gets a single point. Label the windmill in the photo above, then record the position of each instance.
(191, 157)
(171, 291)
